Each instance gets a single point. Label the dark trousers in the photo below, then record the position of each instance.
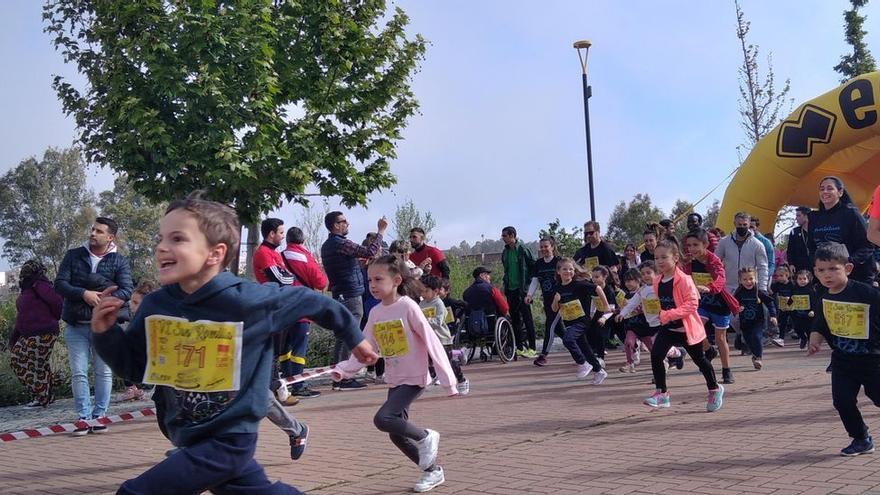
(549, 329)
(754, 339)
(784, 318)
(576, 343)
(847, 377)
(521, 313)
(393, 418)
(663, 342)
(223, 464)
(597, 336)
(292, 357)
(801, 325)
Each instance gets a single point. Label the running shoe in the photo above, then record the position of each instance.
(530, 353)
(584, 370)
(429, 480)
(715, 399)
(541, 360)
(348, 385)
(81, 430)
(727, 376)
(303, 391)
(657, 400)
(628, 368)
(858, 447)
(711, 353)
(600, 377)
(33, 404)
(298, 443)
(756, 362)
(637, 357)
(678, 362)
(428, 447)
(777, 342)
(464, 387)
(132, 393)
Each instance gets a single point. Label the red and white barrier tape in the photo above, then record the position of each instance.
(70, 427)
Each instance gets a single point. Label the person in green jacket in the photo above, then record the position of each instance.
(519, 265)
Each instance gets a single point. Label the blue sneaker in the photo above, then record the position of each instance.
(858, 447)
(658, 400)
(715, 399)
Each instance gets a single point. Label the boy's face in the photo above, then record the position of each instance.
(183, 254)
(135, 302)
(833, 274)
(428, 293)
(443, 292)
(781, 276)
(647, 276)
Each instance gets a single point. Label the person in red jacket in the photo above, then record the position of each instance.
(430, 259)
(268, 265)
(300, 262)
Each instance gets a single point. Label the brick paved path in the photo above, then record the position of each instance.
(528, 430)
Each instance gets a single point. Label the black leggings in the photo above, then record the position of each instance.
(664, 341)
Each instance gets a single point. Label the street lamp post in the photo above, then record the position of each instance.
(583, 49)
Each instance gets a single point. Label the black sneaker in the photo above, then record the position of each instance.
(711, 353)
(727, 376)
(678, 362)
(298, 443)
(858, 447)
(348, 385)
(304, 392)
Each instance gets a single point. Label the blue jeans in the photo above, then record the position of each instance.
(79, 348)
(754, 338)
(576, 343)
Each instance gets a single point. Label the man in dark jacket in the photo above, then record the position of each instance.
(519, 265)
(84, 273)
(798, 251)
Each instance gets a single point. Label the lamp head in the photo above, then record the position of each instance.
(582, 44)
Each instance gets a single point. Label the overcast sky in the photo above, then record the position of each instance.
(500, 136)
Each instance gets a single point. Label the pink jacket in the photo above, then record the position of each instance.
(410, 367)
(687, 300)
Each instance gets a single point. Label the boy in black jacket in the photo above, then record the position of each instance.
(848, 318)
(205, 339)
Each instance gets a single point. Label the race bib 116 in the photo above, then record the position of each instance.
(194, 356)
(391, 337)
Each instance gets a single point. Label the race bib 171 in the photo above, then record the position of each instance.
(194, 356)
(391, 337)
(846, 319)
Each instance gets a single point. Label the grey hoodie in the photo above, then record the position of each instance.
(751, 253)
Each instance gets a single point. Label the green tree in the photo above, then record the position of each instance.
(711, 216)
(45, 208)
(407, 216)
(628, 221)
(566, 242)
(138, 220)
(759, 102)
(679, 215)
(256, 102)
(860, 61)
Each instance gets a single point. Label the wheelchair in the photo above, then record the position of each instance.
(491, 334)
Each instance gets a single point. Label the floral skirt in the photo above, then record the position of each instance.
(30, 363)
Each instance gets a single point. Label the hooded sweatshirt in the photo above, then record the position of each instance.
(844, 224)
(735, 256)
(191, 417)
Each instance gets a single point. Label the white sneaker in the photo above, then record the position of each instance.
(282, 394)
(600, 377)
(778, 342)
(464, 387)
(370, 375)
(429, 480)
(637, 357)
(583, 370)
(428, 449)
(601, 362)
(628, 368)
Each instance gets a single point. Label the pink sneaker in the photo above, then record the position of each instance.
(133, 393)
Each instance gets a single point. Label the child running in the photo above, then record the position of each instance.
(633, 321)
(435, 311)
(848, 318)
(573, 294)
(545, 278)
(601, 310)
(803, 304)
(681, 325)
(751, 319)
(398, 329)
(716, 304)
(216, 425)
(781, 289)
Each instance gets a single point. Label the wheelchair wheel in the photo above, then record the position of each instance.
(505, 342)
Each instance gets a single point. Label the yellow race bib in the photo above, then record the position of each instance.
(430, 312)
(782, 302)
(391, 337)
(195, 356)
(703, 279)
(591, 262)
(599, 306)
(449, 316)
(800, 302)
(621, 299)
(651, 306)
(846, 319)
(572, 310)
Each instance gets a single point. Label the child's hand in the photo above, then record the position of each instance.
(702, 289)
(618, 318)
(528, 300)
(815, 343)
(811, 314)
(364, 353)
(813, 348)
(557, 298)
(774, 321)
(105, 313)
(602, 321)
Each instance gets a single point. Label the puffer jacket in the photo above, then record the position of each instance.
(75, 277)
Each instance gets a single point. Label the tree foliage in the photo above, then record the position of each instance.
(760, 103)
(407, 216)
(45, 208)
(253, 101)
(679, 215)
(628, 221)
(566, 242)
(138, 220)
(711, 216)
(311, 221)
(860, 61)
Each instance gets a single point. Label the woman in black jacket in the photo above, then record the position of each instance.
(838, 220)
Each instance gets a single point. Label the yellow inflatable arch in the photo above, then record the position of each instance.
(837, 133)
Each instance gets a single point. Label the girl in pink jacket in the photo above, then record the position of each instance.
(680, 326)
(401, 334)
